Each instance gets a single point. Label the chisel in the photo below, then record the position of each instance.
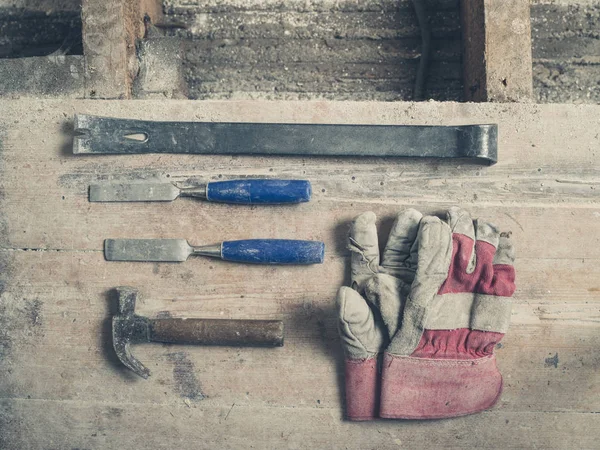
(247, 191)
(258, 251)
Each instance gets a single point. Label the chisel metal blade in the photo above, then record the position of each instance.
(154, 250)
(135, 192)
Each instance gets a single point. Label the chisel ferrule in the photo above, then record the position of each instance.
(196, 192)
(208, 250)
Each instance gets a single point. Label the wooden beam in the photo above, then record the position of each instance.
(497, 63)
(110, 29)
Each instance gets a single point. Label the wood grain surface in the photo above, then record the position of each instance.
(496, 39)
(62, 387)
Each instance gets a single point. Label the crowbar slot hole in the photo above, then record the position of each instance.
(137, 136)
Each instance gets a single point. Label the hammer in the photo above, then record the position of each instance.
(129, 328)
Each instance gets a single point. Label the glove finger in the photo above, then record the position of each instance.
(400, 253)
(460, 222)
(361, 333)
(435, 255)
(504, 273)
(387, 294)
(435, 247)
(505, 253)
(364, 245)
(487, 232)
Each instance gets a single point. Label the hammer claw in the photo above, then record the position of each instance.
(132, 362)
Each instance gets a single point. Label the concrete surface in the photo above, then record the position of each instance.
(319, 49)
(366, 50)
(38, 28)
(566, 52)
(42, 76)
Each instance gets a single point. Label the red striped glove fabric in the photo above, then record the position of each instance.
(440, 362)
(441, 299)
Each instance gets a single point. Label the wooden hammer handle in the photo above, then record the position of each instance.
(228, 332)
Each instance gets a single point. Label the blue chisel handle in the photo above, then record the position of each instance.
(258, 191)
(273, 251)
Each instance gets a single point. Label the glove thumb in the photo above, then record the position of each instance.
(360, 328)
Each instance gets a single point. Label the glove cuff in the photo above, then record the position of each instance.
(362, 389)
(424, 388)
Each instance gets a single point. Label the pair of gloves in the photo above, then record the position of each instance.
(419, 324)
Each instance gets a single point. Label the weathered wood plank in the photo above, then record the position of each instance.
(58, 304)
(497, 50)
(62, 386)
(110, 29)
(326, 67)
(106, 49)
(536, 170)
(123, 424)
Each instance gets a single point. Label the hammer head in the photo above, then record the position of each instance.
(128, 328)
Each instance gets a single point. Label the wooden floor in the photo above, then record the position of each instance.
(62, 387)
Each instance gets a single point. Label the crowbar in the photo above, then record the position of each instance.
(107, 135)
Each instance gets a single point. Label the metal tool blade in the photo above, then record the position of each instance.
(475, 143)
(158, 250)
(134, 192)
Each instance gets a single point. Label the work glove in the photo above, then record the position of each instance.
(442, 293)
